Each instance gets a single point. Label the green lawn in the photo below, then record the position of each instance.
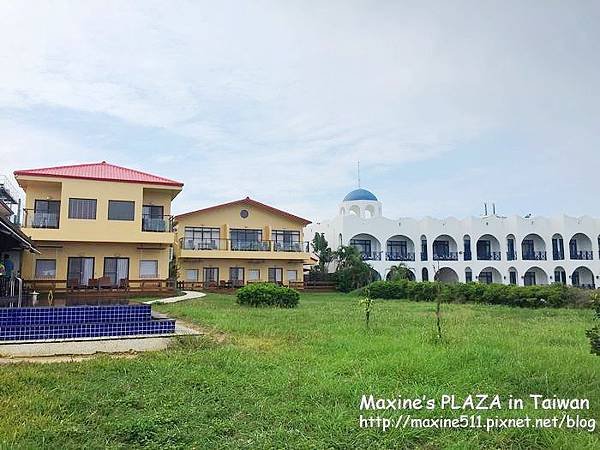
(293, 379)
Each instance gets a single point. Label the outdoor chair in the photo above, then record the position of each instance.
(104, 283)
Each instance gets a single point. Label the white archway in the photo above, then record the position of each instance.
(400, 248)
(583, 277)
(445, 248)
(367, 245)
(490, 275)
(447, 275)
(488, 248)
(533, 248)
(534, 276)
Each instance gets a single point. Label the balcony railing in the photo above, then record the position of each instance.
(584, 254)
(490, 256)
(534, 256)
(511, 256)
(370, 256)
(467, 256)
(450, 256)
(557, 256)
(585, 286)
(41, 219)
(157, 224)
(423, 256)
(237, 245)
(399, 256)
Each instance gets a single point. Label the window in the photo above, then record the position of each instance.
(148, 268)
(292, 275)
(45, 268)
(247, 239)
(116, 269)
(529, 279)
(423, 250)
(236, 274)
(484, 249)
(46, 214)
(363, 246)
(527, 249)
(153, 218)
(201, 238)
(424, 274)
(191, 274)
(485, 277)
(468, 276)
(558, 248)
(82, 208)
(121, 210)
(441, 248)
(513, 277)
(79, 271)
(244, 214)
(254, 275)
(286, 240)
(397, 250)
(211, 274)
(275, 275)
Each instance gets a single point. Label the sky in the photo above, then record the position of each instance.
(446, 105)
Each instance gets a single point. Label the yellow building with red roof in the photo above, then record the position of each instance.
(97, 223)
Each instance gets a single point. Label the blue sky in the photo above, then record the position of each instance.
(446, 104)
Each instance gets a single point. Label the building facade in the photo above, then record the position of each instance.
(487, 249)
(93, 221)
(240, 242)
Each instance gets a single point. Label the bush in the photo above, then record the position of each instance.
(554, 295)
(594, 333)
(268, 294)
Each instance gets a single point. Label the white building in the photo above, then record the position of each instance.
(488, 249)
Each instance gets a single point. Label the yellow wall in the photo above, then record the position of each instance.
(61, 251)
(225, 264)
(226, 218)
(101, 229)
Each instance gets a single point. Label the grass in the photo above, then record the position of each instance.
(293, 379)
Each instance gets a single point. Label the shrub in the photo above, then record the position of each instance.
(554, 295)
(594, 333)
(268, 294)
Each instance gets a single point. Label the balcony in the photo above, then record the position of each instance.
(489, 256)
(41, 219)
(534, 256)
(157, 224)
(244, 246)
(399, 256)
(582, 255)
(450, 256)
(370, 256)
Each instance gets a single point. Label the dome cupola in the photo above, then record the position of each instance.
(360, 194)
(361, 203)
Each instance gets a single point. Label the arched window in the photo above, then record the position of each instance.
(424, 274)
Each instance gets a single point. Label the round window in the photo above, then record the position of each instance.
(244, 213)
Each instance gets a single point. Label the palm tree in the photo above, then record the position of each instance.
(400, 272)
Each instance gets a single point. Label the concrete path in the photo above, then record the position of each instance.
(187, 295)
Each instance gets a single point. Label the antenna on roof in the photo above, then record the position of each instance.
(358, 167)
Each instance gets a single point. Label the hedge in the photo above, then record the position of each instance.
(554, 295)
(268, 294)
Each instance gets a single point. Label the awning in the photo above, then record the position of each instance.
(12, 237)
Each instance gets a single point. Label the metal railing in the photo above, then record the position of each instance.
(157, 224)
(450, 256)
(399, 256)
(534, 256)
(489, 256)
(556, 255)
(372, 256)
(11, 291)
(584, 254)
(238, 245)
(40, 219)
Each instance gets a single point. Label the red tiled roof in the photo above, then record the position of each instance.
(100, 171)
(249, 201)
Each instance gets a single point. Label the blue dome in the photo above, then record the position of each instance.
(360, 194)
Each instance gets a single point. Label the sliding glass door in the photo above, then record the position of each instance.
(79, 271)
(116, 269)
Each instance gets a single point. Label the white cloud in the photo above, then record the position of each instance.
(279, 99)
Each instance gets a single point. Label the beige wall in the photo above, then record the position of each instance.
(61, 251)
(225, 264)
(101, 229)
(226, 218)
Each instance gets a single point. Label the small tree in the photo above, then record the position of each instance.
(594, 333)
(351, 271)
(438, 302)
(367, 302)
(400, 272)
(323, 252)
